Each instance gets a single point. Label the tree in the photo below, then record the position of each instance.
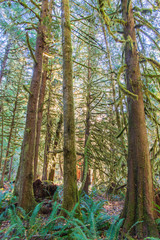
(48, 136)
(25, 192)
(139, 202)
(43, 87)
(70, 193)
(55, 144)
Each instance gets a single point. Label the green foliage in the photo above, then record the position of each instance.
(90, 226)
(93, 216)
(151, 238)
(94, 223)
(7, 199)
(113, 232)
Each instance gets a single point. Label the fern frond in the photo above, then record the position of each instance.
(34, 214)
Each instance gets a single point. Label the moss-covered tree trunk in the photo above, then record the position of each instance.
(70, 194)
(25, 172)
(139, 202)
(10, 169)
(87, 124)
(40, 113)
(48, 136)
(55, 144)
(43, 86)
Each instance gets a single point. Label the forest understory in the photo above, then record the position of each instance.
(99, 219)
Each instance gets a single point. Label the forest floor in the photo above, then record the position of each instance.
(112, 208)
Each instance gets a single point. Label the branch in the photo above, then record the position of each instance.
(35, 4)
(27, 90)
(107, 21)
(30, 49)
(26, 6)
(121, 132)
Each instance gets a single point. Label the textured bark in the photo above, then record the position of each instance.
(52, 172)
(48, 137)
(43, 88)
(25, 172)
(88, 124)
(139, 203)
(40, 112)
(70, 194)
(56, 140)
(10, 169)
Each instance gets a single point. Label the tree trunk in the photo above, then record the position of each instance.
(10, 169)
(56, 140)
(139, 202)
(26, 196)
(88, 124)
(40, 112)
(42, 90)
(48, 137)
(70, 193)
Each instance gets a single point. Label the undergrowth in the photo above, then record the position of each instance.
(93, 223)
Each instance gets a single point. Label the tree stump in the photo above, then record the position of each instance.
(43, 189)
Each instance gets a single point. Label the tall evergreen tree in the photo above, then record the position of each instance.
(139, 202)
(70, 194)
(25, 172)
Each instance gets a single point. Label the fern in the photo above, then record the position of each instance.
(24, 226)
(34, 214)
(113, 232)
(9, 230)
(151, 238)
(78, 233)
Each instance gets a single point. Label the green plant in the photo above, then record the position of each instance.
(7, 200)
(91, 225)
(152, 238)
(22, 224)
(113, 232)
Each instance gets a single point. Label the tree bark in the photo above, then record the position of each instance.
(25, 191)
(10, 169)
(88, 124)
(42, 90)
(48, 137)
(139, 202)
(56, 140)
(40, 113)
(70, 193)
